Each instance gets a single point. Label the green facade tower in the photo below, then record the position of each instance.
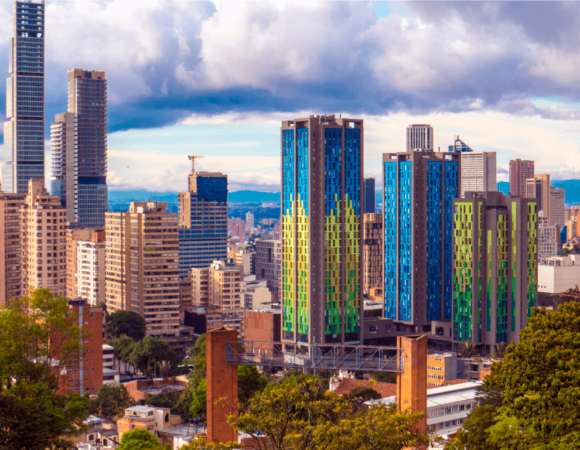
(495, 267)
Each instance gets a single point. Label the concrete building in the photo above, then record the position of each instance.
(24, 127)
(475, 369)
(249, 222)
(256, 294)
(11, 251)
(151, 418)
(419, 189)
(548, 240)
(538, 187)
(79, 149)
(372, 251)
(370, 196)
(459, 146)
(43, 240)
(142, 266)
(571, 229)
(441, 367)
(203, 216)
(244, 256)
(478, 172)
(322, 189)
(217, 286)
(520, 171)
(237, 228)
(231, 320)
(557, 206)
(558, 274)
(263, 326)
(498, 233)
(420, 137)
(269, 263)
(86, 265)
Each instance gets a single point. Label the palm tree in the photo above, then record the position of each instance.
(467, 350)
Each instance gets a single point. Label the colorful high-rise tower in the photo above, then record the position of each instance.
(24, 128)
(419, 188)
(495, 267)
(322, 217)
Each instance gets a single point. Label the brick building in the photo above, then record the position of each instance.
(140, 389)
(10, 246)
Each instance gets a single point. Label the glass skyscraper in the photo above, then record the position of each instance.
(370, 196)
(322, 222)
(24, 128)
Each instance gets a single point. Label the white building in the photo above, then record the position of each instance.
(90, 271)
(255, 293)
(110, 372)
(559, 274)
(249, 221)
(420, 137)
(478, 172)
(548, 241)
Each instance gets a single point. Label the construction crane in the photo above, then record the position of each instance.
(192, 158)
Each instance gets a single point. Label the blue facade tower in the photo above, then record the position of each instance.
(419, 188)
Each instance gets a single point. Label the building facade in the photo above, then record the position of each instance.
(520, 171)
(558, 274)
(322, 221)
(370, 197)
(420, 137)
(478, 172)
(43, 240)
(495, 267)
(459, 146)
(142, 265)
(249, 222)
(11, 251)
(538, 187)
(372, 251)
(269, 263)
(548, 239)
(203, 216)
(86, 265)
(217, 286)
(419, 188)
(557, 206)
(79, 149)
(24, 126)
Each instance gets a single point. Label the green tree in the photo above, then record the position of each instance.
(150, 351)
(39, 337)
(564, 252)
(128, 323)
(385, 377)
(475, 430)
(168, 398)
(139, 439)
(198, 405)
(539, 382)
(112, 400)
(250, 382)
(123, 347)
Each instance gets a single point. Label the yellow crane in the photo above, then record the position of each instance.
(192, 158)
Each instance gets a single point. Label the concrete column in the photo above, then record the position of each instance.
(412, 382)
(222, 383)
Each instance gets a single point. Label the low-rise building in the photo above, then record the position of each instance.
(255, 293)
(140, 389)
(474, 369)
(231, 319)
(153, 419)
(441, 367)
(559, 274)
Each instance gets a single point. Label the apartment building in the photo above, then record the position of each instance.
(244, 255)
(85, 279)
(43, 240)
(441, 367)
(218, 286)
(420, 137)
(249, 222)
(142, 265)
(269, 262)
(372, 251)
(520, 171)
(10, 246)
(478, 172)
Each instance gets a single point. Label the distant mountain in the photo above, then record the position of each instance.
(172, 197)
(572, 188)
(253, 197)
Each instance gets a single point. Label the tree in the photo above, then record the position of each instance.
(564, 252)
(39, 338)
(299, 414)
(384, 377)
(128, 323)
(198, 405)
(112, 400)
(150, 351)
(123, 347)
(467, 349)
(139, 439)
(168, 398)
(475, 430)
(250, 382)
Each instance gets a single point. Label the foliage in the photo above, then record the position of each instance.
(467, 350)
(475, 430)
(300, 414)
(129, 323)
(193, 393)
(200, 444)
(564, 252)
(198, 406)
(39, 337)
(112, 400)
(138, 439)
(150, 351)
(384, 377)
(123, 347)
(250, 382)
(168, 398)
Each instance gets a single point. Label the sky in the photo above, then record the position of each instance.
(217, 78)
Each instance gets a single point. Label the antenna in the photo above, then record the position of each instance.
(192, 158)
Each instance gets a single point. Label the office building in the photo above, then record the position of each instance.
(269, 263)
(322, 222)
(520, 171)
(495, 267)
(418, 222)
(244, 256)
(85, 249)
(441, 367)
(11, 246)
(217, 286)
(249, 222)
(557, 206)
(420, 137)
(538, 187)
(255, 294)
(236, 228)
(24, 126)
(141, 264)
(372, 251)
(558, 274)
(478, 172)
(203, 216)
(459, 146)
(548, 241)
(370, 196)
(79, 149)
(43, 240)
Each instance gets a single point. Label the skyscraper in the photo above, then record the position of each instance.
(24, 128)
(249, 221)
(538, 187)
(459, 146)
(203, 216)
(495, 267)
(269, 262)
(557, 206)
(373, 261)
(79, 149)
(11, 246)
(420, 137)
(322, 187)
(520, 171)
(370, 197)
(478, 172)
(419, 189)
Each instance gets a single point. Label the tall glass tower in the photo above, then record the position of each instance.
(24, 128)
(322, 222)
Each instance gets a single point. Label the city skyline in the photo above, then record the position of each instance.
(515, 119)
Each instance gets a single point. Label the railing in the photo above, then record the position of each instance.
(315, 356)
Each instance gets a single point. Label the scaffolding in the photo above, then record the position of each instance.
(315, 356)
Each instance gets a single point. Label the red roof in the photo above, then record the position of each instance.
(350, 384)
